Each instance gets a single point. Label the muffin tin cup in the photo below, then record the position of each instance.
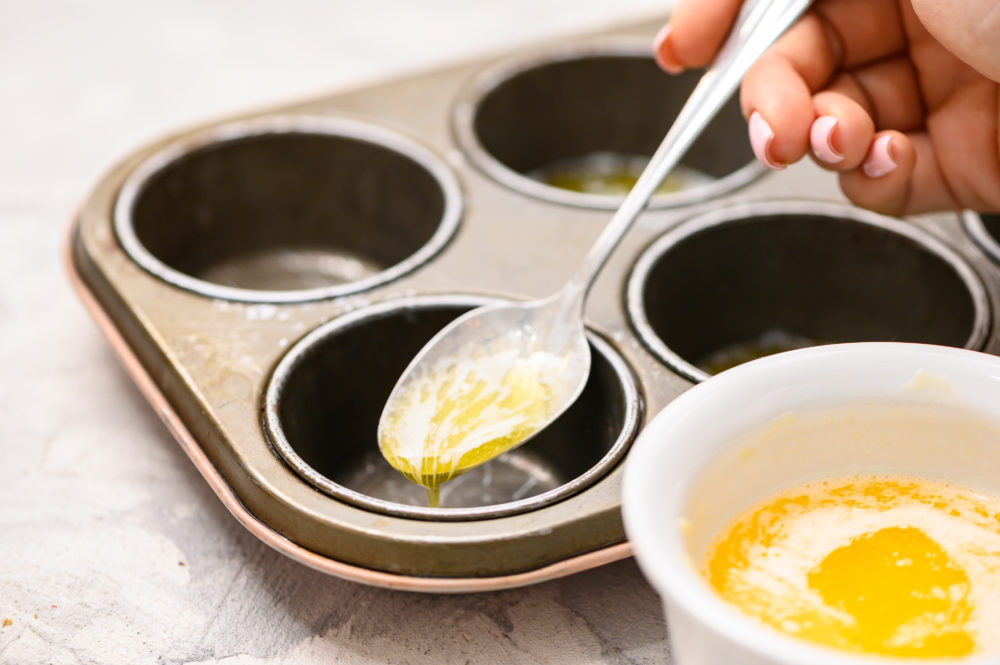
(601, 97)
(323, 403)
(819, 272)
(287, 209)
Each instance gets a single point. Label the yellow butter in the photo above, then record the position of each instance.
(467, 412)
(886, 566)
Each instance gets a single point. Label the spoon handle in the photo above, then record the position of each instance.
(759, 24)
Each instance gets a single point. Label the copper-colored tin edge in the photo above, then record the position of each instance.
(276, 541)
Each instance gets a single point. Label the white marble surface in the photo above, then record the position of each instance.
(112, 547)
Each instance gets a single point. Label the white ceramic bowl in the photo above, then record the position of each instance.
(693, 469)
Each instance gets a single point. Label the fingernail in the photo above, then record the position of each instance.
(663, 53)
(879, 161)
(821, 138)
(761, 136)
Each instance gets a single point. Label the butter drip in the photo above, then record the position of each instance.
(876, 565)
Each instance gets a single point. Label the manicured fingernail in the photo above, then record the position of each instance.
(821, 138)
(879, 161)
(761, 136)
(664, 54)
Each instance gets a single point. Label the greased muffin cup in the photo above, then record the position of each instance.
(322, 410)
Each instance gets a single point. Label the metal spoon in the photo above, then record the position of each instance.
(553, 326)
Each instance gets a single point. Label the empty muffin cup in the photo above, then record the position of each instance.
(284, 209)
(324, 400)
(576, 126)
(985, 231)
(743, 282)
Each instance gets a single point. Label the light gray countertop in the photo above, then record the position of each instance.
(112, 547)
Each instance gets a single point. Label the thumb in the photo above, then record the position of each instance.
(967, 28)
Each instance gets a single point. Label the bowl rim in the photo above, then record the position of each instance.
(661, 553)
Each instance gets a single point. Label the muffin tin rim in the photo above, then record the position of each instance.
(975, 227)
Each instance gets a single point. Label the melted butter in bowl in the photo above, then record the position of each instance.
(833, 505)
(886, 566)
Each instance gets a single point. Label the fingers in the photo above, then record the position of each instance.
(889, 171)
(778, 90)
(778, 120)
(889, 91)
(862, 31)
(857, 31)
(887, 180)
(696, 30)
(790, 119)
(841, 134)
(834, 128)
(902, 175)
(841, 86)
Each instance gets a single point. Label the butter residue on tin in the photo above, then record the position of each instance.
(767, 343)
(611, 174)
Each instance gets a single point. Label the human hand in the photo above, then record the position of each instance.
(900, 97)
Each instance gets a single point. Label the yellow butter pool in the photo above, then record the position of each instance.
(878, 565)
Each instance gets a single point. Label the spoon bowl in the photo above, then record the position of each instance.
(499, 374)
(527, 329)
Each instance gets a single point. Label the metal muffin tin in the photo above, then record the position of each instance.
(265, 279)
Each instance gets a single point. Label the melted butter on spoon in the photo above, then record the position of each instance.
(469, 408)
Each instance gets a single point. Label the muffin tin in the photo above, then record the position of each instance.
(266, 278)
